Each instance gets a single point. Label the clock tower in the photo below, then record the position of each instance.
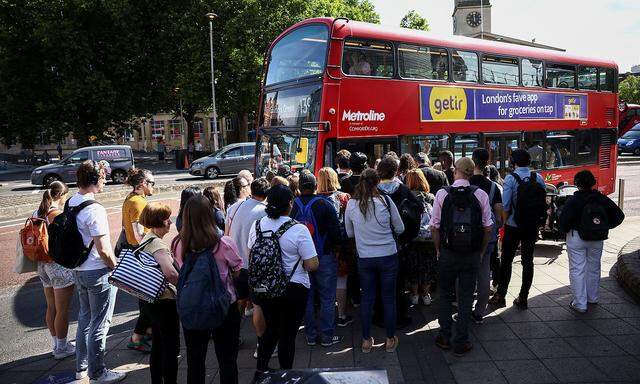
(471, 17)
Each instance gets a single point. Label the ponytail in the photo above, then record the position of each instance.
(56, 190)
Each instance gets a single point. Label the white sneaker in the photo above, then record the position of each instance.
(426, 299)
(65, 351)
(81, 374)
(108, 377)
(415, 299)
(275, 352)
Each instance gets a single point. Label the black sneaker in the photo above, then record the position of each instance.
(475, 318)
(520, 302)
(498, 301)
(442, 343)
(461, 349)
(344, 322)
(334, 340)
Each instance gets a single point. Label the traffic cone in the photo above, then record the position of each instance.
(186, 161)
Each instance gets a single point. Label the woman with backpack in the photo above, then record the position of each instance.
(199, 239)
(586, 218)
(58, 282)
(328, 186)
(163, 362)
(420, 260)
(280, 288)
(378, 222)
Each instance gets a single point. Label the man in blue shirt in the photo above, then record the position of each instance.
(513, 236)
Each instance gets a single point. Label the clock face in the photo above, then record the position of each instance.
(474, 19)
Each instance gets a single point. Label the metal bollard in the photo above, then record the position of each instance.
(621, 194)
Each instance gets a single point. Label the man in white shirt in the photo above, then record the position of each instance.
(97, 296)
(241, 217)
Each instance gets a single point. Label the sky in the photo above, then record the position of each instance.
(604, 29)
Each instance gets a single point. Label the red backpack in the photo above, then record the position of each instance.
(34, 237)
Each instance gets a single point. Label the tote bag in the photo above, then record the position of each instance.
(139, 274)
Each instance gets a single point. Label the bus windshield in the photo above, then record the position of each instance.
(284, 152)
(301, 53)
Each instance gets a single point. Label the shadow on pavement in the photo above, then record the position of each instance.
(29, 305)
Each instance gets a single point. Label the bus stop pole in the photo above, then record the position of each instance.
(621, 194)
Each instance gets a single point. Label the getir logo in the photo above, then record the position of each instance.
(447, 103)
(363, 116)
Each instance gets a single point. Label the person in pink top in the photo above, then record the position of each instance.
(461, 227)
(199, 232)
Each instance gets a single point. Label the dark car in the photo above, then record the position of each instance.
(119, 157)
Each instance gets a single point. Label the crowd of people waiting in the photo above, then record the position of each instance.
(291, 248)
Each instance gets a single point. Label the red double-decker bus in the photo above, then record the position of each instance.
(331, 84)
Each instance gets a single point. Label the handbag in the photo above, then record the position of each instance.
(23, 264)
(139, 274)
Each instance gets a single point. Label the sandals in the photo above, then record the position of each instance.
(367, 345)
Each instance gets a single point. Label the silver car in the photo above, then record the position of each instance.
(226, 161)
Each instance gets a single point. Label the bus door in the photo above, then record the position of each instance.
(500, 147)
(373, 148)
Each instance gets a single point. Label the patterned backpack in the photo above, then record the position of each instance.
(267, 278)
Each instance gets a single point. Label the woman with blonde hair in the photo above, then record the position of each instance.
(58, 282)
(328, 186)
(421, 256)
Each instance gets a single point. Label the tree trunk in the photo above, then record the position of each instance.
(243, 129)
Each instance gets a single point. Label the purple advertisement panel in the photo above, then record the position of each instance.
(460, 104)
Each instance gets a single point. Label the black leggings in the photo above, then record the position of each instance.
(144, 320)
(163, 362)
(283, 317)
(225, 341)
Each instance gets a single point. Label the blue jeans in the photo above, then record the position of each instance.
(454, 266)
(97, 299)
(370, 270)
(323, 284)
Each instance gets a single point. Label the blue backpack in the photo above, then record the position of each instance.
(305, 216)
(202, 298)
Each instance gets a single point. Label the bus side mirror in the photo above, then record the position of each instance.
(302, 151)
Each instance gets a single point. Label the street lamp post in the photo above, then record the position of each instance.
(214, 127)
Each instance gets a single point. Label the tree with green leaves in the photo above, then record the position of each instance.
(89, 66)
(413, 20)
(629, 90)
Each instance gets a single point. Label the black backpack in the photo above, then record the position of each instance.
(594, 222)
(66, 246)
(410, 211)
(530, 211)
(267, 278)
(461, 221)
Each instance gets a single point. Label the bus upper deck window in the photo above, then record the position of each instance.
(532, 73)
(587, 78)
(500, 70)
(606, 79)
(367, 58)
(561, 76)
(465, 66)
(423, 62)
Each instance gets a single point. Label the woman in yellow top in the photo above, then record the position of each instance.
(142, 182)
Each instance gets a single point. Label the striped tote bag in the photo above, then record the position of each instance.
(139, 274)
